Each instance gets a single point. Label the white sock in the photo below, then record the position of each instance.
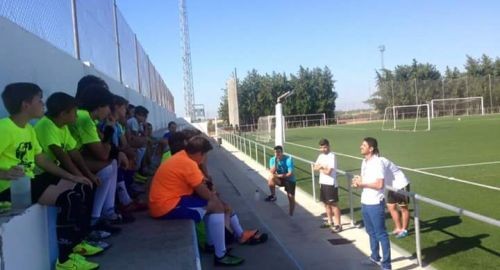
(109, 203)
(207, 235)
(122, 193)
(217, 234)
(101, 190)
(235, 225)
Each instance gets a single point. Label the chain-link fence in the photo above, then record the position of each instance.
(96, 32)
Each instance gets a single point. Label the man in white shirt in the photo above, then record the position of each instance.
(326, 164)
(395, 178)
(373, 203)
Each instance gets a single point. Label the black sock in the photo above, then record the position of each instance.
(84, 216)
(69, 205)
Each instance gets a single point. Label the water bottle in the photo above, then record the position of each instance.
(256, 196)
(20, 192)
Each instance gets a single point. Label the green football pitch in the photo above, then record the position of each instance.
(457, 162)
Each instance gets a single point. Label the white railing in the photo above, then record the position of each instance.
(245, 145)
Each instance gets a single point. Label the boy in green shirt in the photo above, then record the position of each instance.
(56, 141)
(94, 99)
(19, 146)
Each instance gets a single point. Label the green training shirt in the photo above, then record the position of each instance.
(18, 146)
(84, 131)
(49, 134)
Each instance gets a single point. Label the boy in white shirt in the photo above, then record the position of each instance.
(326, 164)
(395, 177)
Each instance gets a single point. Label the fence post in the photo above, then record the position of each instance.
(117, 42)
(417, 229)
(256, 153)
(264, 155)
(245, 146)
(313, 180)
(76, 38)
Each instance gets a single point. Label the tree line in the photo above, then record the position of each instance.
(419, 83)
(313, 93)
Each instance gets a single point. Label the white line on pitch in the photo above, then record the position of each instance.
(459, 165)
(413, 170)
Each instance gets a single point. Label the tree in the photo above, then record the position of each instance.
(314, 93)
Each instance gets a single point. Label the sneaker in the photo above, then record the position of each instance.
(123, 218)
(140, 178)
(402, 234)
(337, 228)
(100, 244)
(134, 206)
(97, 235)
(395, 232)
(370, 262)
(270, 198)
(325, 225)
(76, 262)
(83, 261)
(228, 260)
(104, 225)
(86, 249)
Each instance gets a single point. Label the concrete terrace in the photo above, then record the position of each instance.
(294, 242)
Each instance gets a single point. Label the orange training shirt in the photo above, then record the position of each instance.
(176, 177)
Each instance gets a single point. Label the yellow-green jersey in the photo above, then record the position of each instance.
(48, 133)
(166, 156)
(84, 131)
(18, 146)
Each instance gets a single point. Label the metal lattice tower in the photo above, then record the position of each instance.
(186, 61)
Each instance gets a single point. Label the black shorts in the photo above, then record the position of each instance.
(38, 186)
(329, 194)
(393, 197)
(41, 183)
(289, 186)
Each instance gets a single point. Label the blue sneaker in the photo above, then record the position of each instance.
(370, 262)
(402, 234)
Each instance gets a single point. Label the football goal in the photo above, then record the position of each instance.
(457, 106)
(266, 124)
(305, 120)
(407, 118)
(265, 128)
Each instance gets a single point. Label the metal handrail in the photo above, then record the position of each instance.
(349, 176)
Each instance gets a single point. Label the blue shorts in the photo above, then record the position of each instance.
(189, 207)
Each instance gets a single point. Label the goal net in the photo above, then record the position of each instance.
(407, 118)
(265, 128)
(266, 124)
(305, 120)
(457, 106)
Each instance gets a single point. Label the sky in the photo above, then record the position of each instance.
(281, 35)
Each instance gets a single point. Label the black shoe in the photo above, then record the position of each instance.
(104, 225)
(270, 198)
(228, 260)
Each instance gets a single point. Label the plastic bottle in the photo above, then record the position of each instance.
(20, 192)
(256, 195)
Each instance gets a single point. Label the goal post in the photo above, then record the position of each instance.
(457, 106)
(407, 118)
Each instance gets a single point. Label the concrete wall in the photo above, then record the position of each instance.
(25, 240)
(26, 57)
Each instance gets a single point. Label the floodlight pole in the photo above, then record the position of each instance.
(279, 130)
